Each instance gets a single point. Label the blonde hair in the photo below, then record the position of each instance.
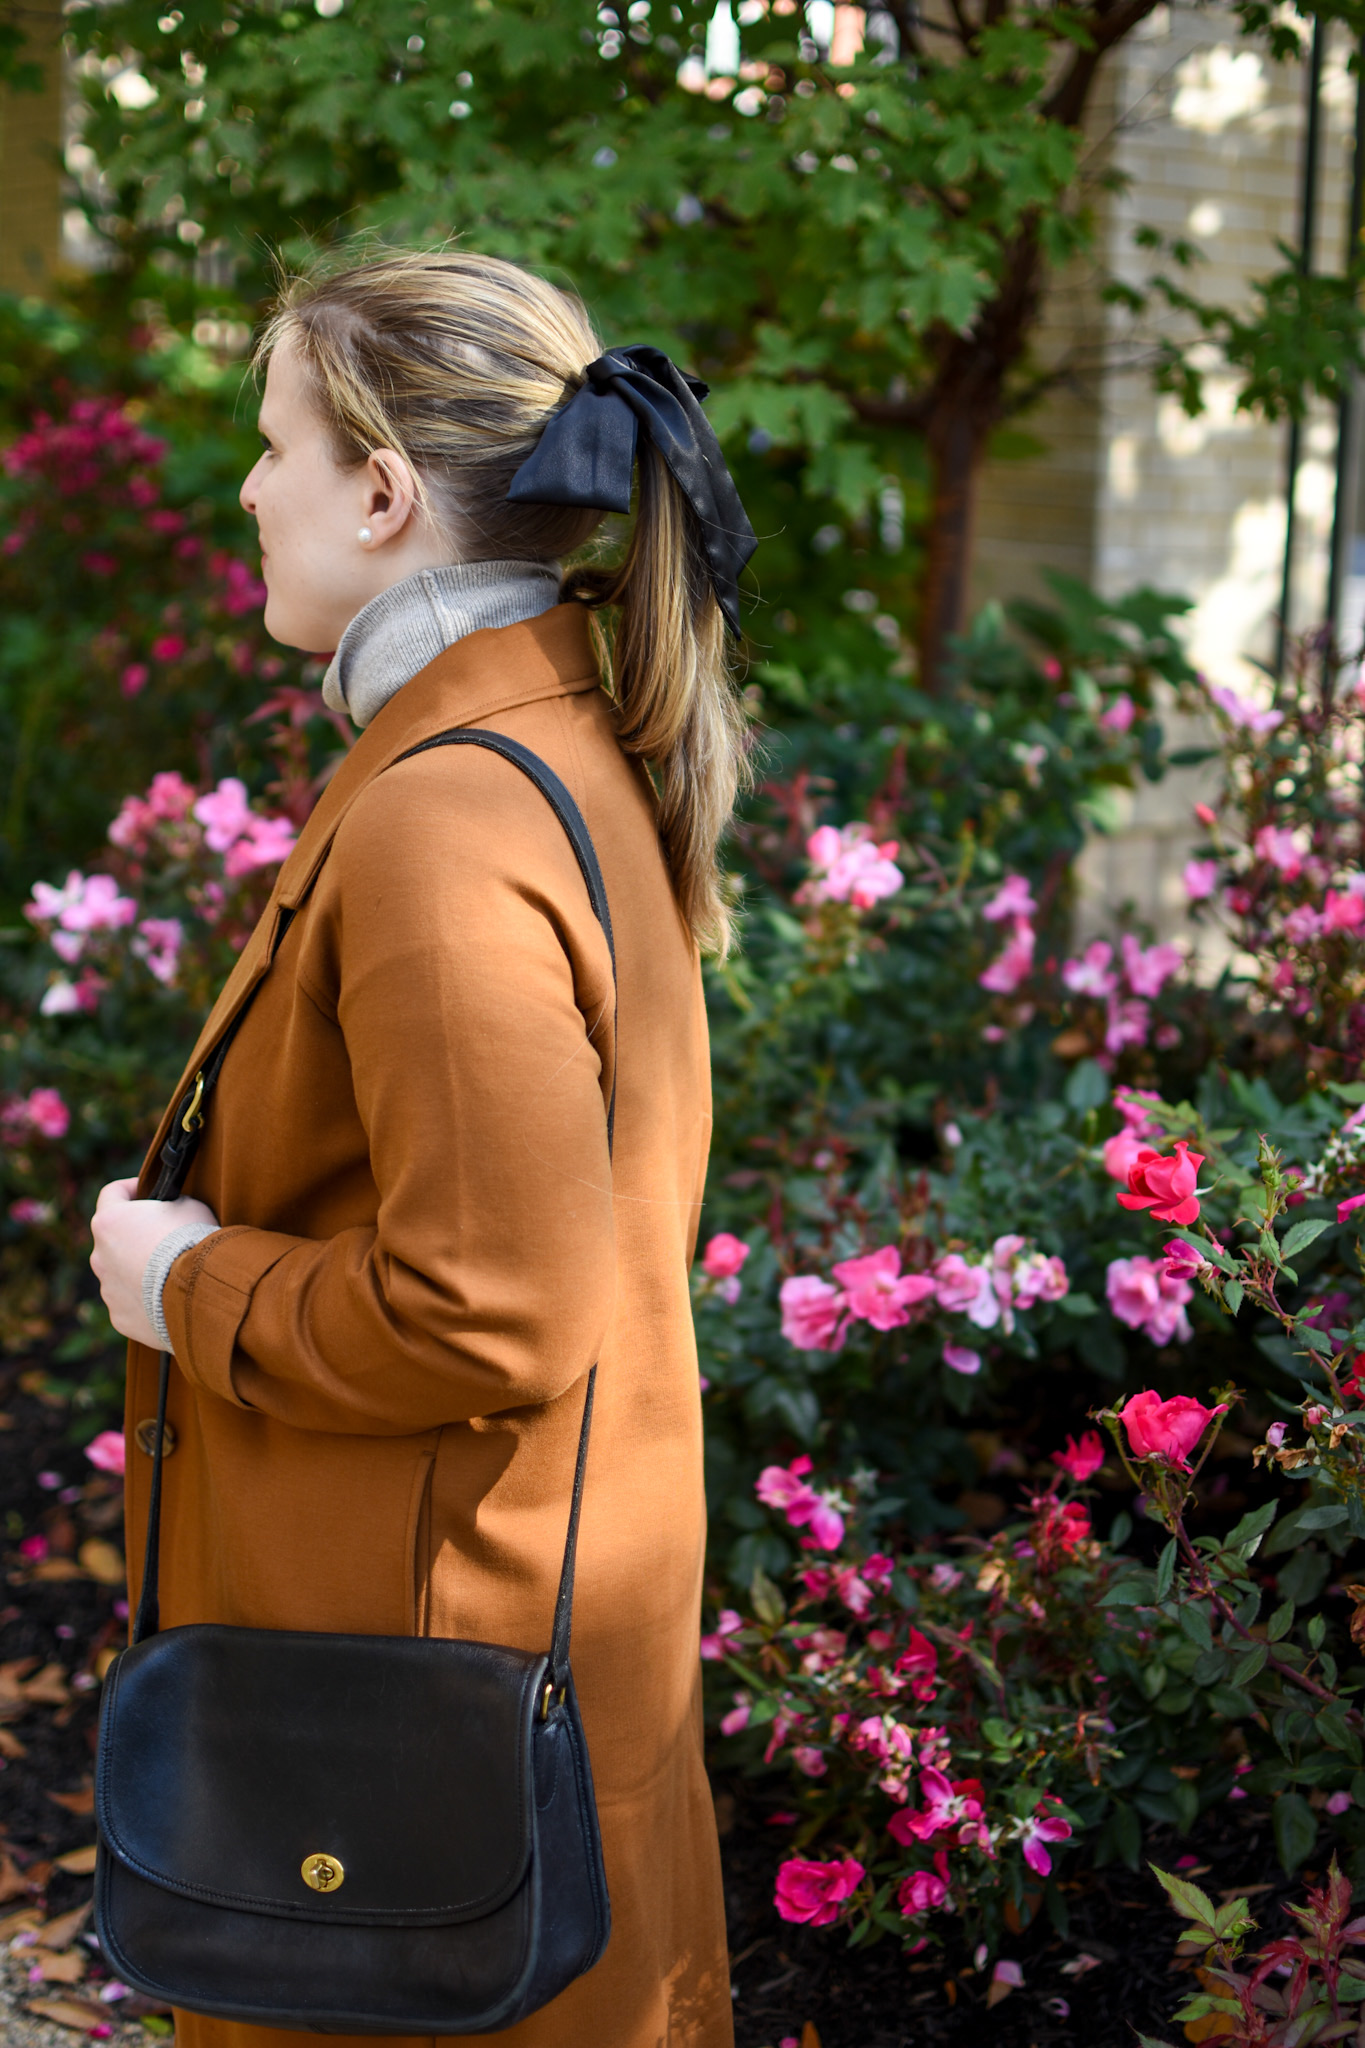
(457, 361)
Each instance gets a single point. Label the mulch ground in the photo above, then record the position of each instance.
(1109, 1978)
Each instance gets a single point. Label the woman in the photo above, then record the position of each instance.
(404, 1243)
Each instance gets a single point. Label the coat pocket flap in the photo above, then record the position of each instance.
(369, 1779)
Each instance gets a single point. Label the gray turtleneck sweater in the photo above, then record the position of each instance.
(405, 627)
(386, 643)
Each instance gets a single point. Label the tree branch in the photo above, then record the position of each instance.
(1106, 26)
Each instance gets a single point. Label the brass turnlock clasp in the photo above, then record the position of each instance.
(323, 1873)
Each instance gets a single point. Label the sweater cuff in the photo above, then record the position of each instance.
(154, 1274)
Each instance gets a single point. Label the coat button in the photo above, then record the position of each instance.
(144, 1436)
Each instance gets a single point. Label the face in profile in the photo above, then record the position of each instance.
(310, 513)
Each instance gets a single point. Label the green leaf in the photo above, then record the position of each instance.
(1325, 1517)
(1245, 1536)
(1296, 1830)
(1314, 1339)
(1132, 1592)
(1303, 1234)
(1194, 1620)
(1165, 1570)
(1234, 1294)
(1280, 1622)
(1254, 1661)
(1188, 1900)
(769, 1605)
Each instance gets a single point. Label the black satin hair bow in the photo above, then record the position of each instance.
(586, 456)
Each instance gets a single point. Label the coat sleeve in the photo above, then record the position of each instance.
(456, 944)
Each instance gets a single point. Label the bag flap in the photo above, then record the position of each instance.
(394, 1769)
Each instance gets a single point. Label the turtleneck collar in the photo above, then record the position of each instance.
(408, 625)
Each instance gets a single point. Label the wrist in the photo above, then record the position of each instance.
(156, 1272)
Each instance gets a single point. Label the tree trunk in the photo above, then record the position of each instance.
(956, 441)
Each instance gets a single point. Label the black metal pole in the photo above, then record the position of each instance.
(1308, 216)
(1343, 514)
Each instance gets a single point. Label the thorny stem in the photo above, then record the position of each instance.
(1201, 1582)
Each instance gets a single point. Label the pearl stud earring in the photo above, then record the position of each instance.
(364, 536)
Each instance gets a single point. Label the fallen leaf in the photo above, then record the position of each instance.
(77, 1862)
(57, 1969)
(57, 1568)
(107, 1656)
(6, 1422)
(809, 2037)
(103, 1562)
(63, 1930)
(23, 1922)
(12, 1700)
(10, 1746)
(1079, 1965)
(82, 1801)
(997, 1992)
(67, 2012)
(47, 1688)
(13, 1881)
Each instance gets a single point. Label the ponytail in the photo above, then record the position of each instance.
(677, 708)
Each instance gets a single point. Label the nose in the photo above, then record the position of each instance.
(247, 494)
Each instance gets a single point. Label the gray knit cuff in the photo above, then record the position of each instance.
(157, 1270)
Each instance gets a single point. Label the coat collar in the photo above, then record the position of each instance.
(488, 672)
(494, 670)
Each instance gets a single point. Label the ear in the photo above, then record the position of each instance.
(389, 501)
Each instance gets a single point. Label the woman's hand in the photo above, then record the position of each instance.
(126, 1231)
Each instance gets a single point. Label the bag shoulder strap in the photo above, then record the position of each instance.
(187, 1128)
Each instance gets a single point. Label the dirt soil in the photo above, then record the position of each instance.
(63, 1614)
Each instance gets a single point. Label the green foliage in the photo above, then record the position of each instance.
(850, 253)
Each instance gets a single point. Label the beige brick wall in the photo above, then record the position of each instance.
(1130, 491)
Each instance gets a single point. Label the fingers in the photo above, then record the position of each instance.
(116, 1191)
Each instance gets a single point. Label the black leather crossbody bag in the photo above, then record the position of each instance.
(344, 1833)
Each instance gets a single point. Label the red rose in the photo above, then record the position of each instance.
(1165, 1186)
(814, 1892)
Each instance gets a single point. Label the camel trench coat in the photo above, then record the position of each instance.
(381, 1357)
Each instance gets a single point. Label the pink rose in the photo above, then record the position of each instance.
(724, 1256)
(1149, 969)
(875, 1291)
(1275, 844)
(168, 647)
(134, 679)
(264, 842)
(1237, 710)
(811, 1313)
(1080, 1461)
(1342, 912)
(1145, 1296)
(1121, 1154)
(967, 1290)
(1200, 879)
(1012, 899)
(1040, 1829)
(224, 813)
(1344, 1209)
(1091, 975)
(850, 867)
(728, 1624)
(1166, 1186)
(1165, 1429)
(43, 1112)
(961, 1358)
(810, 1762)
(1120, 714)
(1181, 1260)
(1012, 966)
(813, 1892)
(923, 1890)
(107, 1450)
(738, 1716)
